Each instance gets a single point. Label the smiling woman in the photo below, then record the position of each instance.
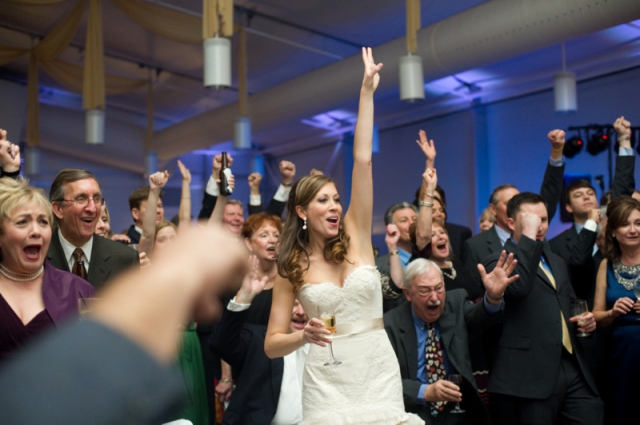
(34, 295)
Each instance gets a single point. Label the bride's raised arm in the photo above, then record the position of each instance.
(358, 219)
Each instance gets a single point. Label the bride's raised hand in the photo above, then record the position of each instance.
(371, 70)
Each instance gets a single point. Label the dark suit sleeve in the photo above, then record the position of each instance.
(476, 317)
(254, 209)
(87, 373)
(528, 254)
(231, 340)
(410, 387)
(623, 179)
(276, 207)
(12, 175)
(208, 204)
(581, 250)
(551, 188)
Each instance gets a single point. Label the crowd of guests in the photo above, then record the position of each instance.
(496, 308)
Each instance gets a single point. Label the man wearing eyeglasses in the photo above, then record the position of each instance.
(76, 200)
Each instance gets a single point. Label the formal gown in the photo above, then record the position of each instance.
(624, 367)
(366, 388)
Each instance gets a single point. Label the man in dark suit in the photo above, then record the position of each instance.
(540, 373)
(76, 199)
(267, 390)
(479, 247)
(448, 317)
(138, 206)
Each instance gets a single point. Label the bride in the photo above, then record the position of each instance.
(325, 261)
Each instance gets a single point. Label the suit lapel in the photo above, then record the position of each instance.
(541, 274)
(98, 269)
(409, 341)
(55, 254)
(447, 324)
(493, 242)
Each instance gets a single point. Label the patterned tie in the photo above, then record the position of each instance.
(78, 266)
(435, 365)
(566, 339)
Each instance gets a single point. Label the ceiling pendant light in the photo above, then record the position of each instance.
(410, 66)
(94, 126)
(564, 88)
(217, 63)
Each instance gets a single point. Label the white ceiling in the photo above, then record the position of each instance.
(290, 38)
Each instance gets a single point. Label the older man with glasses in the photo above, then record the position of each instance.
(76, 199)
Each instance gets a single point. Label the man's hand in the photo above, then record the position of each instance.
(288, 171)
(594, 214)
(530, 224)
(223, 391)
(216, 165)
(586, 322)
(497, 281)
(622, 127)
(315, 172)
(158, 180)
(556, 137)
(442, 390)
(254, 180)
(392, 236)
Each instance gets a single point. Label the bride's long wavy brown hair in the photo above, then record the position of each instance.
(294, 243)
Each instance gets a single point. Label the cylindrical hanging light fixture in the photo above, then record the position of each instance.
(257, 164)
(32, 161)
(151, 163)
(217, 63)
(242, 133)
(94, 127)
(411, 78)
(564, 91)
(564, 88)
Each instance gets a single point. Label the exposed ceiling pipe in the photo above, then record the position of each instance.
(490, 32)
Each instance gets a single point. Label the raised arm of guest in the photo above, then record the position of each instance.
(427, 188)
(9, 157)
(218, 211)
(279, 201)
(551, 188)
(395, 265)
(156, 182)
(623, 179)
(184, 213)
(211, 191)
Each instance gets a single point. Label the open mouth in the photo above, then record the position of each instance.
(333, 220)
(87, 220)
(298, 322)
(32, 251)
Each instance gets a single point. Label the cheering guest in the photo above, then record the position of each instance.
(33, 294)
(617, 305)
(487, 220)
(103, 228)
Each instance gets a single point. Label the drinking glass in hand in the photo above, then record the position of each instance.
(636, 291)
(580, 308)
(456, 379)
(328, 318)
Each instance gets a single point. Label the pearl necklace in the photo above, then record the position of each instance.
(11, 275)
(453, 274)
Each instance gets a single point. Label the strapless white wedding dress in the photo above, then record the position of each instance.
(366, 388)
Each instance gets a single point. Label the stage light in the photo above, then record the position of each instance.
(411, 78)
(572, 147)
(599, 142)
(94, 127)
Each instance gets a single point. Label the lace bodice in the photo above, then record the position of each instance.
(359, 298)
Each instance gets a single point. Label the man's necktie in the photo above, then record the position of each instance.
(435, 365)
(78, 266)
(566, 339)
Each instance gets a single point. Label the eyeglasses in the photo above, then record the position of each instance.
(83, 201)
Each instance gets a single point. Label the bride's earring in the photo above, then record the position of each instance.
(304, 224)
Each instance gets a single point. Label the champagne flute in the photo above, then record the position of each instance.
(456, 379)
(328, 319)
(636, 291)
(580, 308)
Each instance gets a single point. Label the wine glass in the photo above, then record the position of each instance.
(456, 379)
(580, 308)
(636, 291)
(327, 317)
(84, 306)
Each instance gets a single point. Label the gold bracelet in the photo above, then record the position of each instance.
(225, 380)
(425, 204)
(557, 150)
(392, 253)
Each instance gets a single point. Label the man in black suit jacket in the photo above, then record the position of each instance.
(265, 388)
(453, 316)
(540, 373)
(479, 247)
(76, 199)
